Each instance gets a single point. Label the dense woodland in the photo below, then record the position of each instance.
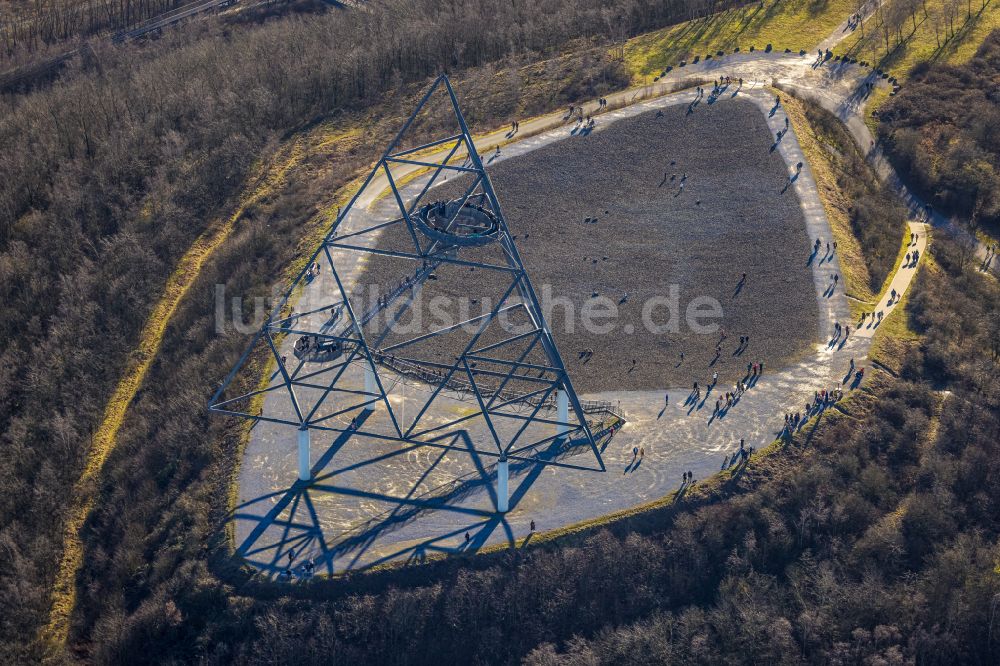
(51, 26)
(873, 538)
(943, 133)
(28, 26)
(107, 177)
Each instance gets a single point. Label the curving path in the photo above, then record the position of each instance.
(272, 519)
(896, 287)
(373, 502)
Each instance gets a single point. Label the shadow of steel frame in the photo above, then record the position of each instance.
(431, 254)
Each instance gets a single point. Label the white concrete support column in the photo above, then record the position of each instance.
(371, 386)
(503, 497)
(562, 411)
(305, 464)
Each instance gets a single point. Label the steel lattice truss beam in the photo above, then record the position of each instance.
(509, 378)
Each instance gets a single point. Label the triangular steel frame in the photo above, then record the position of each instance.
(475, 365)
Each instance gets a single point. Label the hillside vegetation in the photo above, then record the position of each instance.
(108, 177)
(25, 27)
(943, 134)
(791, 24)
(872, 538)
(903, 33)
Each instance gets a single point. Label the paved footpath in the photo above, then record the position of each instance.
(372, 502)
(893, 292)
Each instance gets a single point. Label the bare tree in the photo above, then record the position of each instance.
(912, 6)
(966, 243)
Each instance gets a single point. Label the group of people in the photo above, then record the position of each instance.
(830, 249)
(821, 57)
(741, 387)
(587, 121)
(839, 330)
(304, 570)
(306, 343)
(873, 318)
(313, 270)
(821, 400)
(753, 373)
(991, 253)
(723, 81)
(578, 112)
(730, 398)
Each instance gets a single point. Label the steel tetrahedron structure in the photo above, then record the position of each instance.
(337, 357)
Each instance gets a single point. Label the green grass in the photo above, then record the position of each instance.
(825, 166)
(783, 23)
(920, 43)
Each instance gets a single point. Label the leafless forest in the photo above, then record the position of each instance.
(871, 539)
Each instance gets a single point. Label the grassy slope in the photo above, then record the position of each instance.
(921, 44)
(824, 166)
(782, 23)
